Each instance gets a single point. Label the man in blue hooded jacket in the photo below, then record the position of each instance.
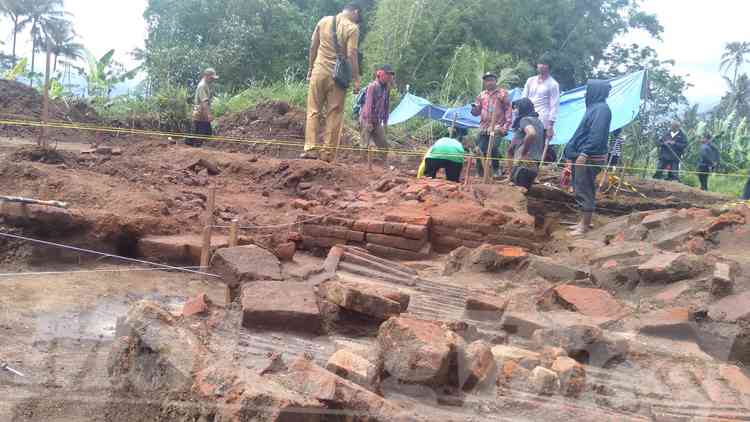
(588, 150)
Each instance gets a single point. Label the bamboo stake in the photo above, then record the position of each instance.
(490, 143)
(233, 234)
(44, 140)
(207, 230)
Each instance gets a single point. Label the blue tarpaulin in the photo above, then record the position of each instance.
(625, 101)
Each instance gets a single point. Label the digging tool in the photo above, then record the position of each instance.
(4, 367)
(18, 199)
(490, 144)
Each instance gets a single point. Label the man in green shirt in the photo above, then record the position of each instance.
(448, 154)
(202, 117)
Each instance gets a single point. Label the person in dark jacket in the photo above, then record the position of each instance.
(708, 161)
(746, 194)
(671, 148)
(588, 150)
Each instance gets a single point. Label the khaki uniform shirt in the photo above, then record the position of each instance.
(347, 33)
(202, 94)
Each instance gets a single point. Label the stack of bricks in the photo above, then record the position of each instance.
(414, 237)
(389, 239)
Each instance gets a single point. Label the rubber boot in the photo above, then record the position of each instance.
(586, 224)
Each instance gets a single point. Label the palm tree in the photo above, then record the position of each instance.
(734, 58)
(16, 10)
(42, 16)
(62, 42)
(738, 97)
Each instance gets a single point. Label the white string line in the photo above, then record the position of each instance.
(29, 274)
(122, 258)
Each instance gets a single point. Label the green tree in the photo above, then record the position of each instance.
(420, 37)
(42, 16)
(734, 58)
(16, 10)
(62, 42)
(244, 40)
(737, 100)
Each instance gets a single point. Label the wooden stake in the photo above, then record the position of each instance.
(233, 236)
(44, 140)
(490, 145)
(207, 230)
(467, 179)
(369, 157)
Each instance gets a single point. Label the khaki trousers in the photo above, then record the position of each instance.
(324, 94)
(377, 136)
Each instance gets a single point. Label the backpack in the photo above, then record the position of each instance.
(359, 102)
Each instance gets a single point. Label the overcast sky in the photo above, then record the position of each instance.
(695, 35)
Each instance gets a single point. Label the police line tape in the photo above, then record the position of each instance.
(296, 145)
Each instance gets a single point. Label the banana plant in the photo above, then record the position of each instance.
(16, 71)
(104, 73)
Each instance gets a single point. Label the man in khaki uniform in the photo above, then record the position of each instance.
(202, 117)
(324, 94)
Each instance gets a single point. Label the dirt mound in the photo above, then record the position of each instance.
(20, 102)
(272, 119)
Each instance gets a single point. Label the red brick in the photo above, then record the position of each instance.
(396, 242)
(589, 302)
(471, 244)
(470, 235)
(413, 231)
(443, 231)
(360, 225)
(286, 251)
(399, 254)
(331, 263)
(445, 244)
(196, 306)
(376, 227)
(485, 307)
(394, 229)
(322, 242)
(736, 378)
(668, 322)
(417, 217)
(337, 221)
(355, 236)
(301, 204)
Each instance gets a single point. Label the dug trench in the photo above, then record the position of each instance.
(361, 294)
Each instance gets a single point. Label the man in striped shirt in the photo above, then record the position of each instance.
(615, 151)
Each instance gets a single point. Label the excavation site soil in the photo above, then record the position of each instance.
(348, 292)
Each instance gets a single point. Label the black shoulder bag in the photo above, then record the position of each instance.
(342, 72)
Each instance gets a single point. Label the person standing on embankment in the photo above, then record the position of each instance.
(544, 91)
(492, 101)
(708, 161)
(374, 115)
(588, 150)
(336, 38)
(202, 117)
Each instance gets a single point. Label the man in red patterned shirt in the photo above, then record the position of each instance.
(374, 115)
(492, 100)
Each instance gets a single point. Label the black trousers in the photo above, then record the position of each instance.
(746, 195)
(483, 142)
(200, 128)
(584, 183)
(452, 168)
(671, 168)
(523, 176)
(704, 172)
